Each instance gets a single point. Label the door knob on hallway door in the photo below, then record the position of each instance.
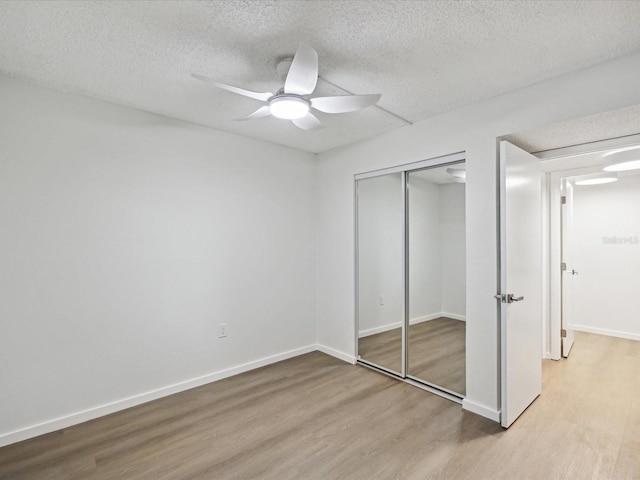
(508, 298)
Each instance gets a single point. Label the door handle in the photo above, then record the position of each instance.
(508, 298)
(573, 272)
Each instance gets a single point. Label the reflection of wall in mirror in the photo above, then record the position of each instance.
(437, 252)
(425, 282)
(437, 265)
(380, 226)
(453, 255)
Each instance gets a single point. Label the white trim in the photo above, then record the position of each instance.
(546, 274)
(604, 331)
(481, 410)
(590, 147)
(454, 316)
(554, 299)
(337, 354)
(102, 410)
(128, 402)
(457, 157)
(502, 285)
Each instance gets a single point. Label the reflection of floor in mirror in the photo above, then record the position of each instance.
(384, 349)
(436, 352)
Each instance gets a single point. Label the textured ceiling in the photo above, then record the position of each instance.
(424, 57)
(602, 126)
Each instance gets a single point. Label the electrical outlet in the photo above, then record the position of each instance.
(223, 330)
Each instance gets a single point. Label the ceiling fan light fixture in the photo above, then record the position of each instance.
(295, 101)
(288, 107)
(596, 179)
(623, 166)
(457, 172)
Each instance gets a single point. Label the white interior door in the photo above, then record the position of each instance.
(520, 293)
(568, 270)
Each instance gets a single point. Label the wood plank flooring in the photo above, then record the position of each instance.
(436, 352)
(314, 417)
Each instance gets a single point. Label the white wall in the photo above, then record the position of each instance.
(453, 250)
(126, 238)
(607, 258)
(437, 249)
(474, 130)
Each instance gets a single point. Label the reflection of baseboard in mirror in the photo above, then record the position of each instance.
(413, 321)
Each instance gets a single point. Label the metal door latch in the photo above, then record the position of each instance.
(508, 298)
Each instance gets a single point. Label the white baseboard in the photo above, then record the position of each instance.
(106, 409)
(455, 316)
(118, 405)
(604, 331)
(336, 353)
(481, 410)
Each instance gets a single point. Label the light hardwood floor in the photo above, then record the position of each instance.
(314, 417)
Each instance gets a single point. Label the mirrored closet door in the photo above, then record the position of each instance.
(380, 220)
(410, 273)
(436, 264)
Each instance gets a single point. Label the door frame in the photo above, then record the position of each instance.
(567, 256)
(558, 164)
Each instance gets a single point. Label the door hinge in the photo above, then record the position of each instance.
(563, 333)
(563, 267)
(563, 200)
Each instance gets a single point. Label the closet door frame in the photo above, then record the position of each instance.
(404, 170)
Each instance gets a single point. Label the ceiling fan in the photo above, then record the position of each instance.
(295, 100)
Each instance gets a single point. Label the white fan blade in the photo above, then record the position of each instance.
(303, 73)
(344, 103)
(261, 112)
(240, 91)
(308, 122)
